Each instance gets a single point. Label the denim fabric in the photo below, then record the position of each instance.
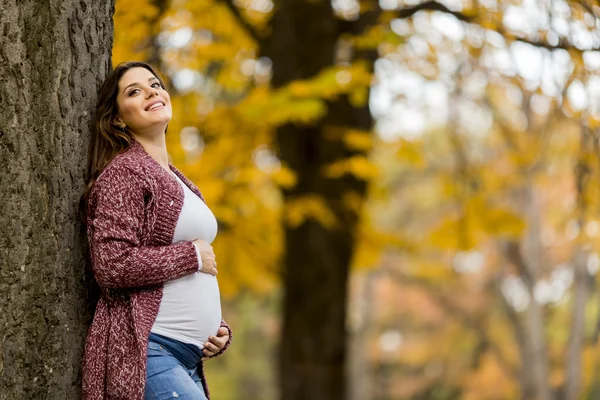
(188, 354)
(168, 376)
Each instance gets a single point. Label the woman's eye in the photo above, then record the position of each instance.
(135, 91)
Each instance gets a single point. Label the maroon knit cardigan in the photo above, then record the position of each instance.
(132, 212)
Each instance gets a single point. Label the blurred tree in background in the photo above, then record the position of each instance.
(448, 151)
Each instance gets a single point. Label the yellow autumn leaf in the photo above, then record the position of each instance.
(302, 208)
(284, 177)
(359, 166)
(358, 140)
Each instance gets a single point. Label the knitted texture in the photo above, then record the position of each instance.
(133, 209)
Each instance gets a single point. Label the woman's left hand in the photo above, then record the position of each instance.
(215, 343)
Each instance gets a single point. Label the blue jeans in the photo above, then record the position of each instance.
(171, 371)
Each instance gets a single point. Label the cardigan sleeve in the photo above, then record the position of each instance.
(119, 260)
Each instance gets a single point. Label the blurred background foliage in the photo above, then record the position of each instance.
(476, 256)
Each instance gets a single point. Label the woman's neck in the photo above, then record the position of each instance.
(156, 147)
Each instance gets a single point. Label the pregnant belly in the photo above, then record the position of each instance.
(190, 310)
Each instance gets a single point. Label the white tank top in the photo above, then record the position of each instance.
(190, 309)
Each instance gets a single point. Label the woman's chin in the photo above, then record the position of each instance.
(159, 120)
(162, 117)
(152, 127)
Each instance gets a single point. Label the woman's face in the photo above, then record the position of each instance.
(142, 101)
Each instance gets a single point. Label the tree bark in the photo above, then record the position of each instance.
(53, 56)
(317, 258)
(527, 258)
(573, 368)
(581, 283)
(361, 385)
(536, 346)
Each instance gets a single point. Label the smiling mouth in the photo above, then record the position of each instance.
(155, 106)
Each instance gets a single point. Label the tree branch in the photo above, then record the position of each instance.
(432, 6)
(562, 43)
(512, 252)
(435, 6)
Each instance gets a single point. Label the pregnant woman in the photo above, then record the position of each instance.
(149, 231)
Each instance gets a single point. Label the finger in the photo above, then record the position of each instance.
(223, 331)
(211, 347)
(218, 341)
(210, 271)
(214, 271)
(208, 352)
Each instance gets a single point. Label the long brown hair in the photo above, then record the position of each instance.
(108, 138)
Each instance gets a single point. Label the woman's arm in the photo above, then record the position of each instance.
(119, 260)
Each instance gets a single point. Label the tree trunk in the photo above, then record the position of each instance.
(317, 258)
(361, 386)
(527, 258)
(53, 55)
(581, 284)
(573, 370)
(537, 349)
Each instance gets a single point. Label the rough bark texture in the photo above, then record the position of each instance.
(317, 259)
(53, 57)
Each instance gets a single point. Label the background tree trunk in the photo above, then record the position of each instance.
(534, 319)
(317, 258)
(361, 385)
(53, 57)
(582, 282)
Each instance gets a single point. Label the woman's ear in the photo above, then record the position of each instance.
(119, 123)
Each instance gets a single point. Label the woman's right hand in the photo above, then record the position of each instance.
(209, 264)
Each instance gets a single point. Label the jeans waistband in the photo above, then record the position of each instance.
(187, 354)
